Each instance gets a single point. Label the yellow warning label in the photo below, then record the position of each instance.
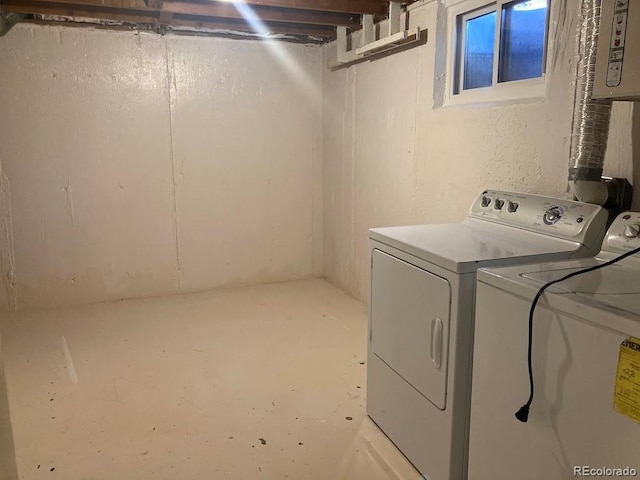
(626, 399)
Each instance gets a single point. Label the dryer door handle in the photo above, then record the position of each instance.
(436, 342)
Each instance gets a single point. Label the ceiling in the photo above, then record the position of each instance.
(296, 20)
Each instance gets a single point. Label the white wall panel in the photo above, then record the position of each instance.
(245, 129)
(86, 151)
(143, 165)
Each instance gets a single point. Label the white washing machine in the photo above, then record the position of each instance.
(422, 309)
(585, 415)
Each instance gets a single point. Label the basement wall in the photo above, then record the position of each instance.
(391, 157)
(138, 165)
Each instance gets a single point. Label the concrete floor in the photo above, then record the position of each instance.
(259, 382)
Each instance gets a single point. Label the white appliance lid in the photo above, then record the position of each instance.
(614, 279)
(617, 286)
(609, 296)
(466, 246)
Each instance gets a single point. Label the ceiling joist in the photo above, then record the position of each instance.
(372, 7)
(317, 18)
(265, 14)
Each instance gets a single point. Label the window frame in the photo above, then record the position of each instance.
(527, 89)
(461, 43)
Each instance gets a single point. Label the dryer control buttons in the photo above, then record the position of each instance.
(631, 231)
(486, 201)
(552, 215)
(499, 204)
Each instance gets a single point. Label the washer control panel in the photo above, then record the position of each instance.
(624, 233)
(576, 221)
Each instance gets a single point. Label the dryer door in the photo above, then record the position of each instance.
(410, 324)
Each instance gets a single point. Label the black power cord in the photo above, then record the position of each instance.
(523, 413)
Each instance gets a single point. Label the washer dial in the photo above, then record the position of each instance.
(631, 231)
(553, 215)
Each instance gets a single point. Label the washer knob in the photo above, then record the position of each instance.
(499, 204)
(512, 206)
(552, 215)
(631, 231)
(486, 201)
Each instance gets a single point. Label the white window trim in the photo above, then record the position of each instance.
(524, 90)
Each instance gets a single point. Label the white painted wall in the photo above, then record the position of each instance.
(392, 158)
(136, 165)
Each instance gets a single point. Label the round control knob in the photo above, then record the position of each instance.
(486, 201)
(631, 231)
(499, 204)
(552, 215)
(512, 206)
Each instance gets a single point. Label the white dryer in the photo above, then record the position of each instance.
(421, 313)
(584, 419)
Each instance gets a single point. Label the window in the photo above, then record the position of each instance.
(497, 44)
(476, 48)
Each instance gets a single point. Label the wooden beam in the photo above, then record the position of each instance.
(372, 7)
(165, 18)
(266, 14)
(296, 17)
(132, 5)
(186, 30)
(76, 11)
(259, 6)
(241, 26)
(151, 17)
(204, 9)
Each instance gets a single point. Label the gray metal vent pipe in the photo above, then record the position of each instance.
(8, 21)
(590, 117)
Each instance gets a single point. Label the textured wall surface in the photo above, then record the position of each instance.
(135, 165)
(392, 158)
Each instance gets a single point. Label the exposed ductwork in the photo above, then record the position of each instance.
(8, 21)
(590, 117)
